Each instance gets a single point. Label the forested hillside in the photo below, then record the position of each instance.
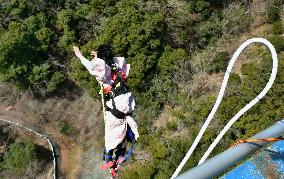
(178, 51)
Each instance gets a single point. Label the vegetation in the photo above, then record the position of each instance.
(66, 128)
(19, 156)
(175, 47)
(277, 28)
(273, 10)
(219, 63)
(277, 41)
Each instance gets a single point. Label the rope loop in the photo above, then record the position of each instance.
(220, 96)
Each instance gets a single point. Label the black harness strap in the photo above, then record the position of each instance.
(118, 114)
(119, 87)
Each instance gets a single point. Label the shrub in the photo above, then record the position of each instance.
(19, 155)
(248, 68)
(66, 128)
(277, 28)
(44, 80)
(273, 10)
(140, 170)
(277, 41)
(235, 19)
(219, 63)
(172, 125)
(157, 148)
(205, 31)
(234, 84)
(56, 79)
(169, 60)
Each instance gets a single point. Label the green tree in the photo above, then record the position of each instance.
(136, 36)
(44, 35)
(170, 59)
(208, 31)
(23, 55)
(219, 63)
(277, 41)
(20, 155)
(273, 10)
(65, 19)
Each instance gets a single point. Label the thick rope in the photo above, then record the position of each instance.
(220, 96)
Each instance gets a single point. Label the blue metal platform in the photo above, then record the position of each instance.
(266, 163)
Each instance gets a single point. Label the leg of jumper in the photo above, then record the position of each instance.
(121, 149)
(108, 155)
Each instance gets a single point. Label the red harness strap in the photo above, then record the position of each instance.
(107, 89)
(114, 75)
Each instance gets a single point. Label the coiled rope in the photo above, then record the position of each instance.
(220, 96)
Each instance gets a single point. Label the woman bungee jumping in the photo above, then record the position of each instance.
(111, 72)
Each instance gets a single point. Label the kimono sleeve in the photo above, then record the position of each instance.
(88, 65)
(99, 69)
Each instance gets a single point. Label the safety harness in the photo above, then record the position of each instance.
(117, 88)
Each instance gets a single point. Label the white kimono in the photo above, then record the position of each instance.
(115, 129)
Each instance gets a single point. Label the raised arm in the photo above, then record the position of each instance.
(89, 65)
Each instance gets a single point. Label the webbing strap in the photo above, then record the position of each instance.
(131, 136)
(117, 113)
(108, 156)
(271, 139)
(115, 75)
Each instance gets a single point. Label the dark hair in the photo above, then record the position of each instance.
(105, 52)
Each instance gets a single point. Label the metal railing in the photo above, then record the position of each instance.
(54, 156)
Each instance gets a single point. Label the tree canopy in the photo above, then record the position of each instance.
(176, 48)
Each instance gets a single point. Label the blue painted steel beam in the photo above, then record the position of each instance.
(220, 163)
(266, 163)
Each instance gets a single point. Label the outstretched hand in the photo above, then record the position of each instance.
(94, 54)
(77, 51)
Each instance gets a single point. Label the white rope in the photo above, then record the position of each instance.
(40, 135)
(220, 96)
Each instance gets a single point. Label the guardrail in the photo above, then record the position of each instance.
(55, 174)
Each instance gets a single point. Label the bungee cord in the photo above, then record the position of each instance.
(220, 96)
